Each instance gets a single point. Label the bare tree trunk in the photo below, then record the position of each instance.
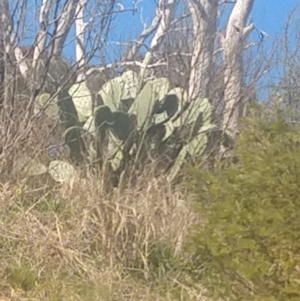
(233, 45)
(3, 9)
(41, 40)
(165, 12)
(72, 9)
(66, 20)
(80, 45)
(37, 75)
(8, 48)
(204, 16)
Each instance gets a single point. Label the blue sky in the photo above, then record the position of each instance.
(271, 15)
(268, 15)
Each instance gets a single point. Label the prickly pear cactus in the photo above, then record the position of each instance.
(111, 94)
(51, 108)
(144, 103)
(61, 171)
(169, 108)
(68, 115)
(196, 107)
(89, 125)
(153, 92)
(73, 138)
(181, 94)
(115, 151)
(160, 87)
(194, 123)
(165, 110)
(122, 125)
(129, 84)
(191, 121)
(103, 116)
(103, 119)
(82, 99)
(132, 125)
(196, 147)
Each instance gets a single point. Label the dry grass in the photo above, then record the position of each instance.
(74, 242)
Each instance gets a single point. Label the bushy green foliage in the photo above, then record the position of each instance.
(246, 246)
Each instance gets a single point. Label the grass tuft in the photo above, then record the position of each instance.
(76, 242)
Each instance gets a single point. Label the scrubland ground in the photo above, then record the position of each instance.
(75, 242)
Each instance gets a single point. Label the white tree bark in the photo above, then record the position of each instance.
(204, 16)
(3, 23)
(233, 45)
(23, 67)
(80, 30)
(165, 12)
(66, 20)
(41, 40)
(7, 37)
(144, 35)
(41, 37)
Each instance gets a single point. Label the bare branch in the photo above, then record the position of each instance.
(247, 30)
(21, 62)
(65, 22)
(165, 11)
(126, 64)
(144, 35)
(41, 37)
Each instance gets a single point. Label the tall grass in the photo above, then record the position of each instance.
(76, 242)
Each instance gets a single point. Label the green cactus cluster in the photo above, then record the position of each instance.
(121, 126)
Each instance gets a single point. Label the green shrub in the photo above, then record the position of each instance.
(247, 245)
